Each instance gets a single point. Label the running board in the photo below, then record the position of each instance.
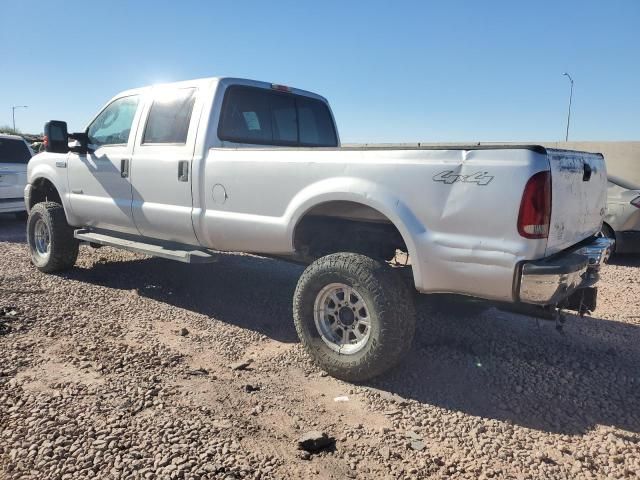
(170, 251)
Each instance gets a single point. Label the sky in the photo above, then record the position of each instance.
(402, 71)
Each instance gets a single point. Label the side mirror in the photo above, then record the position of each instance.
(56, 138)
(82, 143)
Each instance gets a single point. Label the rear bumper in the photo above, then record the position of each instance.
(628, 241)
(551, 280)
(11, 205)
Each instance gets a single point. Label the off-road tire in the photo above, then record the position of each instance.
(63, 247)
(392, 314)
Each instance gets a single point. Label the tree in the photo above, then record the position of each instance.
(6, 129)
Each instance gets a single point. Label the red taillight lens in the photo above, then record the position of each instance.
(636, 202)
(535, 208)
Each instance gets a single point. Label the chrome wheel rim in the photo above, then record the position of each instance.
(342, 318)
(41, 239)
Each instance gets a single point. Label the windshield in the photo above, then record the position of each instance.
(14, 150)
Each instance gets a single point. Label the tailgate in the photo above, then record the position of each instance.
(578, 197)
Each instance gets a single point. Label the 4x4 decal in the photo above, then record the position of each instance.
(449, 177)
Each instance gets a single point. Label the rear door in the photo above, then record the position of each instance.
(161, 169)
(14, 156)
(578, 197)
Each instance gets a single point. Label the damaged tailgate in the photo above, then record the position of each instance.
(579, 194)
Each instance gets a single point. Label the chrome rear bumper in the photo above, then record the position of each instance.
(553, 279)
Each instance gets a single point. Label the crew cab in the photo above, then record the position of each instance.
(185, 169)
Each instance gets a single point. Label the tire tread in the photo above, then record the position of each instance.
(394, 308)
(64, 246)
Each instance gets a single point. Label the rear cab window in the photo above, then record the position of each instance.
(266, 117)
(14, 150)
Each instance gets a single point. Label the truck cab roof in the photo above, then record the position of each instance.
(211, 82)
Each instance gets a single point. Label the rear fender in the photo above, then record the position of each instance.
(365, 193)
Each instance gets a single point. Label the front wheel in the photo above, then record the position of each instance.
(51, 243)
(354, 315)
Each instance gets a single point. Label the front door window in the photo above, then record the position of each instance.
(113, 125)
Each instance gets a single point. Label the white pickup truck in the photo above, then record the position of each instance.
(180, 170)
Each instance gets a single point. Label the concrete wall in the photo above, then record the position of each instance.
(623, 158)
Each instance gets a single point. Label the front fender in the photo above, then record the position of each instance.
(44, 167)
(366, 193)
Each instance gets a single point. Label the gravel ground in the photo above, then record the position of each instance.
(125, 367)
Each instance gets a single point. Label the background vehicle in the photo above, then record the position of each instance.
(228, 164)
(15, 153)
(622, 220)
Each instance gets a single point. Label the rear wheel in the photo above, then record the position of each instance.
(51, 243)
(354, 315)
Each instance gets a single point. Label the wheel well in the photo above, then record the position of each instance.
(343, 226)
(42, 190)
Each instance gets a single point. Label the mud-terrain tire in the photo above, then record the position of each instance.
(379, 329)
(51, 243)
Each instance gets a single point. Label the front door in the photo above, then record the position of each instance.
(99, 186)
(161, 171)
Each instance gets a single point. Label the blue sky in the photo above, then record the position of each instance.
(400, 71)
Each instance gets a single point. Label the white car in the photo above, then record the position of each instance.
(180, 170)
(15, 154)
(622, 221)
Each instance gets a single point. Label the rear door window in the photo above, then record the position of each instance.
(264, 117)
(170, 116)
(14, 150)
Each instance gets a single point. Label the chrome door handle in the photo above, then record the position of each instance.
(124, 167)
(183, 171)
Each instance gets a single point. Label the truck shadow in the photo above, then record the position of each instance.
(12, 229)
(468, 356)
(247, 291)
(626, 260)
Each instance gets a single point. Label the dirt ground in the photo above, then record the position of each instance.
(124, 368)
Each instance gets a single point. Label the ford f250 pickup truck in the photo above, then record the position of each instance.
(185, 169)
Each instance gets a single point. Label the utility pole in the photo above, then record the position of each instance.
(566, 138)
(13, 114)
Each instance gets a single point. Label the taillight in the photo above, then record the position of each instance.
(636, 202)
(535, 208)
